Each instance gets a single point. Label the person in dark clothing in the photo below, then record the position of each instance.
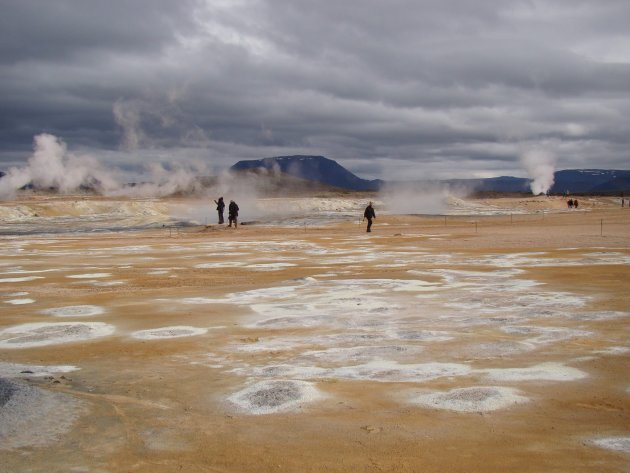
(220, 208)
(232, 214)
(369, 214)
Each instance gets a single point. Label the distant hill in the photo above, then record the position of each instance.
(591, 181)
(330, 173)
(311, 168)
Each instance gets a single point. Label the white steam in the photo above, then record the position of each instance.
(52, 166)
(407, 201)
(540, 166)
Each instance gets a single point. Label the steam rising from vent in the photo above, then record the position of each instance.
(425, 199)
(52, 166)
(540, 166)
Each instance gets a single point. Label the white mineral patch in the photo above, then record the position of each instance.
(30, 271)
(618, 444)
(34, 417)
(542, 372)
(498, 349)
(268, 345)
(359, 354)
(378, 370)
(16, 294)
(256, 295)
(106, 283)
(24, 279)
(474, 399)
(545, 335)
(292, 371)
(14, 370)
(199, 301)
(613, 351)
(19, 301)
(176, 331)
(222, 264)
(601, 315)
(41, 334)
(268, 397)
(423, 335)
(132, 249)
(295, 321)
(387, 371)
(269, 266)
(75, 311)
(89, 276)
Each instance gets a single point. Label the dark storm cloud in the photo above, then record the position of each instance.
(391, 89)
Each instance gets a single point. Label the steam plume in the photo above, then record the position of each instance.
(540, 166)
(52, 166)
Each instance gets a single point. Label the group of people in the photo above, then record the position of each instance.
(232, 212)
(572, 203)
(233, 209)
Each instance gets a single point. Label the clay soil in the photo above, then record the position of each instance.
(161, 405)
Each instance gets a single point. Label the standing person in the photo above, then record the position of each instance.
(369, 214)
(220, 208)
(575, 203)
(232, 214)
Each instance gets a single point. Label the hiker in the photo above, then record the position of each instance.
(369, 214)
(575, 203)
(570, 203)
(220, 207)
(232, 214)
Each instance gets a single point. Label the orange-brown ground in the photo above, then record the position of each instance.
(160, 405)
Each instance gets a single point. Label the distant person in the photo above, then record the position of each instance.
(575, 203)
(233, 214)
(623, 202)
(220, 208)
(570, 203)
(369, 214)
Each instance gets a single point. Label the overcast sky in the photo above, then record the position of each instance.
(397, 89)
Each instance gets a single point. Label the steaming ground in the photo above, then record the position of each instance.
(462, 342)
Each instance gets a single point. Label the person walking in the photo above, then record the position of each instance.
(233, 214)
(369, 214)
(220, 208)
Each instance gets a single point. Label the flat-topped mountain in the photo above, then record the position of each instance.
(312, 168)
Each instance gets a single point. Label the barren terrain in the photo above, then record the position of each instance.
(494, 337)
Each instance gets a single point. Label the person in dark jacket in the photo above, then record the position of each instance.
(220, 208)
(369, 214)
(232, 214)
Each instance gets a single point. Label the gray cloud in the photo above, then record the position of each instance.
(400, 89)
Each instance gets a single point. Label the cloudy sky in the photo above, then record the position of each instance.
(396, 89)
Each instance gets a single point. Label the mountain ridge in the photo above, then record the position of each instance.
(329, 172)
